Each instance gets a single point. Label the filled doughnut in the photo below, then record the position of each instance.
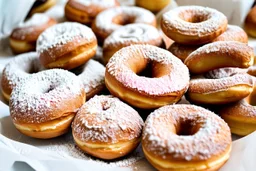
(250, 22)
(220, 54)
(17, 70)
(66, 45)
(186, 138)
(111, 19)
(92, 74)
(193, 24)
(41, 6)
(167, 82)
(129, 35)
(220, 86)
(152, 5)
(23, 38)
(107, 128)
(233, 33)
(240, 116)
(44, 104)
(85, 11)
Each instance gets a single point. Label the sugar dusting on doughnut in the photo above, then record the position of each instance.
(20, 67)
(224, 72)
(35, 20)
(101, 3)
(92, 75)
(171, 18)
(133, 33)
(175, 81)
(104, 19)
(61, 34)
(214, 85)
(211, 139)
(36, 98)
(107, 119)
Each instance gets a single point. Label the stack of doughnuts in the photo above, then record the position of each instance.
(54, 89)
(218, 59)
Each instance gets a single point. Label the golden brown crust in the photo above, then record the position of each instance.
(146, 92)
(23, 39)
(42, 8)
(186, 137)
(107, 128)
(193, 24)
(76, 11)
(220, 54)
(250, 22)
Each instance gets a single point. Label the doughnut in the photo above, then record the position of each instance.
(23, 38)
(85, 11)
(17, 70)
(240, 116)
(44, 104)
(252, 70)
(41, 6)
(193, 24)
(92, 74)
(107, 128)
(250, 22)
(66, 45)
(220, 86)
(182, 51)
(128, 35)
(220, 54)
(152, 5)
(185, 138)
(233, 33)
(111, 19)
(168, 81)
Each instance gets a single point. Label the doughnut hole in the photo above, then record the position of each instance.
(193, 17)
(187, 127)
(123, 19)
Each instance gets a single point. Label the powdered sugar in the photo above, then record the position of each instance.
(213, 137)
(61, 34)
(101, 3)
(18, 69)
(224, 72)
(92, 74)
(133, 34)
(213, 20)
(176, 80)
(104, 21)
(41, 97)
(36, 20)
(106, 119)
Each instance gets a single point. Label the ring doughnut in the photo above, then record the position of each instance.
(85, 11)
(240, 116)
(92, 74)
(111, 19)
(250, 22)
(18, 69)
(193, 24)
(129, 35)
(23, 38)
(186, 138)
(220, 54)
(221, 86)
(107, 128)
(66, 45)
(46, 106)
(167, 83)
